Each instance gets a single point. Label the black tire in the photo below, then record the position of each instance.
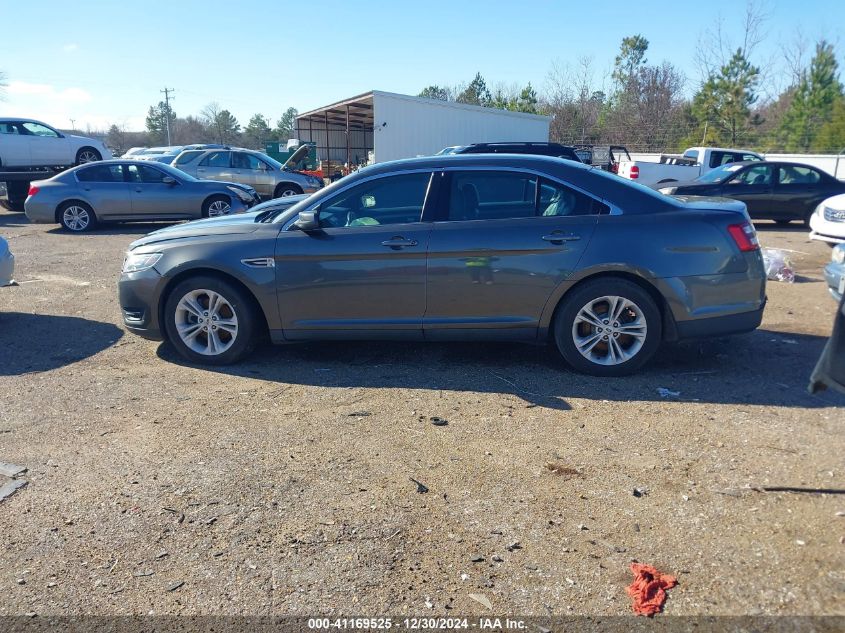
(286, 189)
(593, 291)
(212, 202)
(783, 222)
(239, 304)
(76, 217)
(88, 155)
(666, 180)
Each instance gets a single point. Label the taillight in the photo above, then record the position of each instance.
(635, 172)
(33, 190)
(745, 236)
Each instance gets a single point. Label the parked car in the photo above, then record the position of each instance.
(770, 190)
(834, 272)
(7, 263)
(827, 223)
(31, 143)
(539, 149)
(270, 178)
(133, 152)
(502, 247)
(130, 191)
(695, 162)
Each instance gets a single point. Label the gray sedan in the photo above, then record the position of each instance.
(268, 177)
(470, 247)
(127, 190)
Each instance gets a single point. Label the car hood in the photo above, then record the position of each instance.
(239, 223)
(297, 155)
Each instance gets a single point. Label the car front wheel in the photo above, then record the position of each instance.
(210, 321)
(608, 327)
(285, 191)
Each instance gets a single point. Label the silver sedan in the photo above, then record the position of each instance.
(270, 178)
(127, 190)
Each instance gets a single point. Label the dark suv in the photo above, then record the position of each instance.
(540, 149)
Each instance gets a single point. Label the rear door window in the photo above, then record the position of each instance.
(492, 195)
(795, 175)
(216, 159)
(100, 173)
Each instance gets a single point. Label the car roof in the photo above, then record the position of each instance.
(20, 119)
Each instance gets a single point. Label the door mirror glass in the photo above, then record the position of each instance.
(368, 201)
(308, 221)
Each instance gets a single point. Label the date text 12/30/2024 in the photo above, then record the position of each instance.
(417, 624)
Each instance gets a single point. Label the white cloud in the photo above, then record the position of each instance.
(46, 91)
(70, 48)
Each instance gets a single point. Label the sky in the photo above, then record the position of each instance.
(99, 62)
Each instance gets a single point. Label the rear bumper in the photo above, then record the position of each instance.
(833, 273)
(720, 325)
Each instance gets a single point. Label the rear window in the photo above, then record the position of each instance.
(100, 173)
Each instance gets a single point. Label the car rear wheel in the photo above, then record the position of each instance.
(608, 327)
(216, 206)
(210, 321)
(77, 217)
(87, 155)
(286, 190)
(783, 222)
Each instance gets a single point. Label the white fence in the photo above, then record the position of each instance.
(827, 162)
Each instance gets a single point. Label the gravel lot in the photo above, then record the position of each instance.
(283, 485)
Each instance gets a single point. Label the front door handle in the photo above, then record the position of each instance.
(398, 242)
(560, 238)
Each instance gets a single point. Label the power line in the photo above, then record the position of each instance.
(167, 98)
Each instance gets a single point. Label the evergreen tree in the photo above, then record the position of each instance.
(257, 132)
(158, 118)
(723, 104)
(813, 101)
(286, 127)
(476, 93)
(435, 92)
(831, 136)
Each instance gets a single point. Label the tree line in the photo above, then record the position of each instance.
(645, 107)
(213, 125)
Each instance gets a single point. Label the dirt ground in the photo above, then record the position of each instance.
(284, 484)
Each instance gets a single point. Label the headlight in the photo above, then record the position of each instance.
(667, 191)
(134, 263)
(837, 256)
(240, 193)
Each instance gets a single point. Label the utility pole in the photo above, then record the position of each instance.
(73, 125)
(167, 99)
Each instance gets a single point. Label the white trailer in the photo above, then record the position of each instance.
(381, 126)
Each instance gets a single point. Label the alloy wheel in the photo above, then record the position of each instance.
(287, 193)
(609, 330)
(219, 207)
(76, 218)
(206, 322)
(88, 156)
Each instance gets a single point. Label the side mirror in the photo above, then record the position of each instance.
(308, 221)
(169, 180)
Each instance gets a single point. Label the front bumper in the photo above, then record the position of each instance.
(139, 295)
(834, 275)
(826, 230)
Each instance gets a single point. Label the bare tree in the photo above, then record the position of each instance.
(715, 47)
(3, 85)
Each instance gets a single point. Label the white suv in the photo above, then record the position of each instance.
(29, 143)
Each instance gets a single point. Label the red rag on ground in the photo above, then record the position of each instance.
(649, 589)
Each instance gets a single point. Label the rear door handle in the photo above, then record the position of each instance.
(559, 238)
(398, 242)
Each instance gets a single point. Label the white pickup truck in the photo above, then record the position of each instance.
(693, 163)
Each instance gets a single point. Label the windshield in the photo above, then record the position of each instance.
(719, 174)
(272, 161)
